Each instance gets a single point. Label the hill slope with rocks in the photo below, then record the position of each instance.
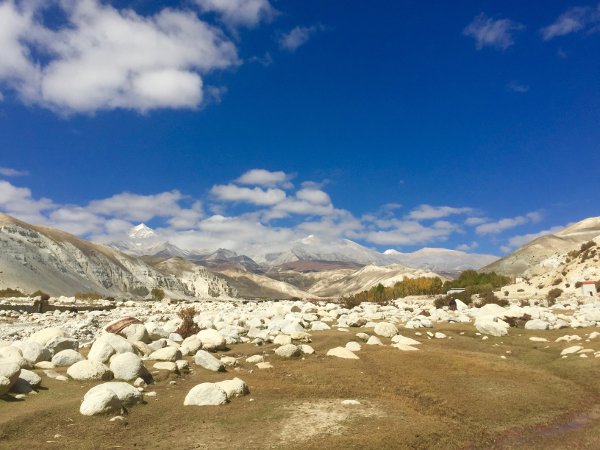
(544, 248)
(41, 258)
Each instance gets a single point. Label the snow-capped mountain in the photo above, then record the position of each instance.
(42, 258)
(441, 260)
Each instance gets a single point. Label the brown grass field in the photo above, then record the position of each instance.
(452, 394)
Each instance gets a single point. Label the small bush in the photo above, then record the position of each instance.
(188, 327)
(557, 282)
(506, 293)
(524, 303)
(520, 290)
(440, 302)
(350, 302)
(8, 292)
(552, 295)
(489, 298)
(578, 284)
(157, 294)
(88, 296)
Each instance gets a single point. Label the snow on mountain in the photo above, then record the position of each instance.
(36, 257)
(441, 260)
(141, 231)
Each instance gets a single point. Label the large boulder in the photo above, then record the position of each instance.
(492, 326)
(206, 394)
(60, 343)
(341, 352)
(9, 374)
(44, 336)
(190, 345)
(66, 358)
(126, 366)
(14, 355)
(288, 351)
(136, 332)
(166, 354)
(385, 329)
(208, 361)
(125, 392)
(26, 382)
(234, 388)
(211, 340)
(107, 345)
(536, 324)
(33, 352)
(100, 402)
(89, 370)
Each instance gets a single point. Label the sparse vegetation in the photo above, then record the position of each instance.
(489, 298)
(87, 296)
(556, 282)
(188, 327)
(8, 292)
(157, 294)
(552, 295)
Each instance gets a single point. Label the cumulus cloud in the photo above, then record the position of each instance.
(411, 232)
(235, 13)
(19, 202)
(467, 247)
(262, 177)
(297, 37)
(105, 58)
(425, 212)
(256, 196)
(308, 210)
(489, 32)
(507, 223)
(521, 240)
(10, 172)
(573, 20)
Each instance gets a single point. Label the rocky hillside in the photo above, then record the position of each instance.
(545, 248)
(37, 257)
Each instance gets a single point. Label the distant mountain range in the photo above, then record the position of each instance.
(311, 252)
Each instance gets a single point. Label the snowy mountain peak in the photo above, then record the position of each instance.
(141, 231)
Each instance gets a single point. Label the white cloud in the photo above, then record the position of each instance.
(18, 202)
(137, 207)
(515, 86)
(475, 221)
(10, 172)
(467, 247)
(573, 20)
(105, 58)
(297, 37)
(239, 12)
(262, 177)
(411, 232)
(507, 223)
(521, 240)
(256, 196)
(425, 212)
(488, 32)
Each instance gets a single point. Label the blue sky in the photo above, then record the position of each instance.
(398, 124)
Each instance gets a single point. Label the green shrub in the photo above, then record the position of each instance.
(157, 294)
(488, 298)
(8, 292)
(552, 295)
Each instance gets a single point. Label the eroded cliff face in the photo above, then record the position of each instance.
(34, 257)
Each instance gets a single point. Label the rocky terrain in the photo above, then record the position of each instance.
(543, 250)
(40, 258)
(125, 357)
